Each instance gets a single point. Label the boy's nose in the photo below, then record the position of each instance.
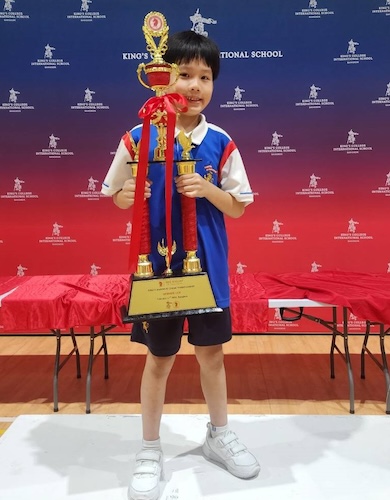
(194, 85)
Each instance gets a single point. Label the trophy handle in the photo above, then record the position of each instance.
(139, 70)
(175, 68)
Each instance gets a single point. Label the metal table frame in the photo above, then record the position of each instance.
(59, 364)
(382, 363)
(296, 306)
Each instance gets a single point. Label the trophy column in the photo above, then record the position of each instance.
(191, 263)
(144, 266)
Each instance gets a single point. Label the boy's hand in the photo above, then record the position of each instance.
(192, 185)
(125, 197)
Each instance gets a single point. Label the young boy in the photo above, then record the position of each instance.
(221, 187)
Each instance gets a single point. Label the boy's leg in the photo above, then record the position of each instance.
(163, 339)
(153, 386)
(149, 461)
(221, 444)
(213, 382)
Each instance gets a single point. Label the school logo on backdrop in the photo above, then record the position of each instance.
(92, 193)
(354, 323)
(94, 269)
(239, 103)
(315, 10)
(385, 100)
(126, 236)
(9, 14)
(53, 150)
(89, 105)
(352, 145)
(352, 234)
(57, 238)
(49, 60)
(14, 104)
(240, 268)
(314, 100)
(277, 148)
(19, 192)
(314, 188)
(86, 14)
(383, 8)
(199, 22)
(352, 55)
(315, 267)
(21, 270)
(385, 189)
(277, 235)
(277, 323)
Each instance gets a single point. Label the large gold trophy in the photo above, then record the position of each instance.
(151, 296)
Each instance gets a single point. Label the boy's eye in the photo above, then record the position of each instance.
(184, 75)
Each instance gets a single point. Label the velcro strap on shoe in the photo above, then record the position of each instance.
(145, 468)
(152, 455)
(231, 441)
(229, 438)
(238, 448)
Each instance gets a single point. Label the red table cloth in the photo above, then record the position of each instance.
(65, 301)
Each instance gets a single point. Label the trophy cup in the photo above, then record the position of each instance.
(151, 296)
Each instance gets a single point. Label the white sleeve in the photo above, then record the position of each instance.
(118, 172)
(234, 179)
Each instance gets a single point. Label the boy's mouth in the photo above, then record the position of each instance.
(193, 99)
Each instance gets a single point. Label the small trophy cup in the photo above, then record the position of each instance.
(191, 264)
(153, 297)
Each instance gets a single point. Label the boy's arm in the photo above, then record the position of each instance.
(195, 186)
(225, 202)
(119, 171)
(235, 192)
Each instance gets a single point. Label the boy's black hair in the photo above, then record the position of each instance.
(185, 46)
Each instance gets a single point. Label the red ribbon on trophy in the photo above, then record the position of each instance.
(165, 108)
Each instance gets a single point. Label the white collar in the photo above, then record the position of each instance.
(199, 132)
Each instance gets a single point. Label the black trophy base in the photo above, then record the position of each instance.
(161, 297)
(163, 315)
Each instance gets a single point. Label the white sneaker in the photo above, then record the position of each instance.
(148, 471)
(225, 449)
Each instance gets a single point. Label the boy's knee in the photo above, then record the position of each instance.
(160, 365)
(209, 357)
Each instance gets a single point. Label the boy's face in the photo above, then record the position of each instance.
(195, 83)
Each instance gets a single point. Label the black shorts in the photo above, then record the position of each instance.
(163, 336)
